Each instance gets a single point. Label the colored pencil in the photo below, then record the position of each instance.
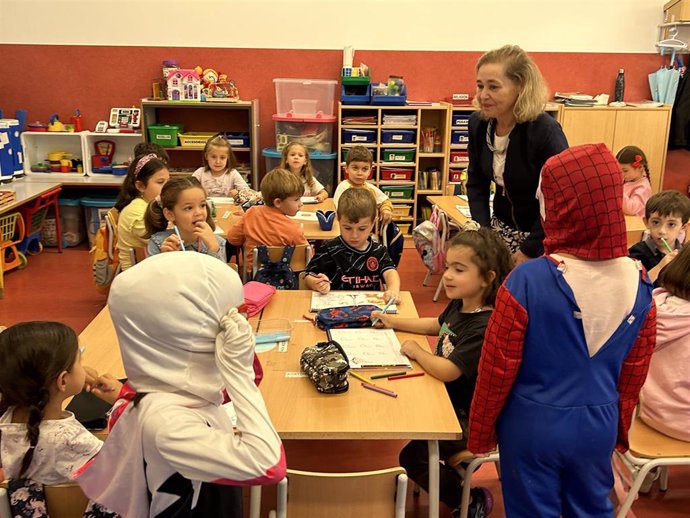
(387, 374)
(408, 375)
(362, 378)
(379, 389)
(668, 248)
(385, 308)
(177, 231)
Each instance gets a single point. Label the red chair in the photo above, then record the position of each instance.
(34, 213)
(11, 234)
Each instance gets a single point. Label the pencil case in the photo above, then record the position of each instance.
(326, 365)
(345, 316)
(256, 296)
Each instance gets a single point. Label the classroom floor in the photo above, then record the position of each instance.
(59, 287)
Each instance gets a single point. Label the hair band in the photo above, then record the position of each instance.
(143, 161)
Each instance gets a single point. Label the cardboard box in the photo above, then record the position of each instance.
(677, 11)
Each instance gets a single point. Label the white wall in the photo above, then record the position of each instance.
(469, 25)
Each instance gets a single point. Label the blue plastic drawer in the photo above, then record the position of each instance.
(355, 94)
(397, 136)
(238, 139)
(359, 136)
(461, 119)
(459, 137)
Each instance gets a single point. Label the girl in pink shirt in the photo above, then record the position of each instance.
(636, 189)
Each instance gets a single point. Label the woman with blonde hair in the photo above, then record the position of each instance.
(510, 139)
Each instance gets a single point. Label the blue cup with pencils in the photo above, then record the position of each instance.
(325, 219)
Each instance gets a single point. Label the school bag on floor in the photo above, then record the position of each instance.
(278, 274)
(431, 237)
(105, 257)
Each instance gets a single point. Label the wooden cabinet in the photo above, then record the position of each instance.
(208, 117)
(404, 160)
(646, 128)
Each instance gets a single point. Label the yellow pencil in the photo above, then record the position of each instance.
(362, 378)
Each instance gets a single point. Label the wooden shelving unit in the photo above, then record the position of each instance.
(211, 117)
(435, 115)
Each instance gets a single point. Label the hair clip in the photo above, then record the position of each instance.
(143, 161)
(637, 161)
(470, 226)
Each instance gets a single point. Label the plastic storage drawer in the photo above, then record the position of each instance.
(398, 192)
(459, 157)
(238, 139)
(401, 211)
(315, 134)
(396, 173)
(305, 97)
(165, 135)
(355, 94)
(459, 137)
(404, 228)
(397, 136)
(359, 136)
(461, 119)
(397, 155)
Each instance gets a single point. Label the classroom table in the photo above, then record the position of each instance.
(421, 411)
(24, 192)
(227, 215)
(633, 224)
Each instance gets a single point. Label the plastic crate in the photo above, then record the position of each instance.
(404, 228)
(398, 192)
(397, 136)
(165, 135)
(461, 119)
(359, 136)
(401, 211)
(355, 93)
(238, 139)
(322, 164)
(195, 140)
(315, 134)
(459, 157)
(72, 222)
(390, 100)
(459, 137)
(396, 173)
(397, 155)
(455, 176)
(305, 97)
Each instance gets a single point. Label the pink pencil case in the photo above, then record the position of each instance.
(256, 296)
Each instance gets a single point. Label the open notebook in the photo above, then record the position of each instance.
(337, 299)
(369, 347)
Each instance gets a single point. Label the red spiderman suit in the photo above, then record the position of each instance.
(567, 348)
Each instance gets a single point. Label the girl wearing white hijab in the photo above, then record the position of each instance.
(172, 450)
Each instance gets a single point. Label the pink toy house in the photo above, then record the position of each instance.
(183, 85)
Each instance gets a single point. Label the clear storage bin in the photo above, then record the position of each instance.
(305, 97)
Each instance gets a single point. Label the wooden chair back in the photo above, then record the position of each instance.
(370, 494)
(300, 257)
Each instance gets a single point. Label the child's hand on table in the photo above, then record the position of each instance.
(411, 349)
(321, 196)
(171, 243)
(321, 283)
(390, 294)
(385, 320)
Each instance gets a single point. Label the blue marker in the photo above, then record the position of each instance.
(385, 308)
(177, 231)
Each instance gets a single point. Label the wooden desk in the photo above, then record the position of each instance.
(422, 409)
(633, 224)
(312, 231)
(25, 191)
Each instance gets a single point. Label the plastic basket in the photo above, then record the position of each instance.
(195, 140)
(165, 135)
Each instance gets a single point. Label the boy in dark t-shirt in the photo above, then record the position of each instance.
(353, 261)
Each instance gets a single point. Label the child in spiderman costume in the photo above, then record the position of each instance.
(567, 348)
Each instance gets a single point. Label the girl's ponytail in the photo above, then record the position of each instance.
(36, 412)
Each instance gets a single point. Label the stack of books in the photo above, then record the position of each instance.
(575, 99)
(400, 120)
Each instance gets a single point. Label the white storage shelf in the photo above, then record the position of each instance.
(124, 148)
(38, 144)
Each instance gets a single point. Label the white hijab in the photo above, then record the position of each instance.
(166, 311)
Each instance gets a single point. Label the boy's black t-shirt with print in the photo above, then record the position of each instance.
(351, 269)
(460, 340)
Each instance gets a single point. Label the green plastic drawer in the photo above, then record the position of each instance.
(398, 192)
(397, 155)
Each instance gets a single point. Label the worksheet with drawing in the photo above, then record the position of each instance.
(337, 299)
(368, 347)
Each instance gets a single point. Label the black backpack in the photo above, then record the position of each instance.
(277, 274)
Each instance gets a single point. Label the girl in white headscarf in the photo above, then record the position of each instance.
(172, 450)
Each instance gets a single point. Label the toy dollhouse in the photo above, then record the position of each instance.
(183, 85)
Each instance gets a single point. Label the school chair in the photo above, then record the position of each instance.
(12, 231)
(300, 259)
(62, 501)
(649, 449)
(368, 494)
(466, 464)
